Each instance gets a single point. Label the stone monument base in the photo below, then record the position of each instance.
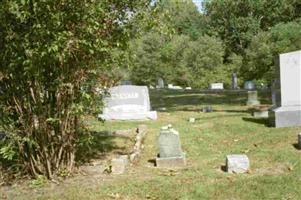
(171, 162)
(286, 116)
(129, 116)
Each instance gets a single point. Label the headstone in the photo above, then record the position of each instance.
(234, 81)
(171, 154)
(170, 86)
(188, 88)
(126, 82)
(160, 83)
(261, 114)
(216, 86)
(207, 109)
(252, 98)
(176, 87)
(237, 163)
(299, 141)
(249, 85)
(191, 120)
(289, 114)
(119, 164)
(128, 103)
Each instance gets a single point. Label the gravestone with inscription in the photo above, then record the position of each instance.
(128, 102)
(216, 86)
(171, 154)
(289, 113)
(252, 98)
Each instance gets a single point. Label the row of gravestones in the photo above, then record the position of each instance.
(129, 102)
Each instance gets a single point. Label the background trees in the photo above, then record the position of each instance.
(227, 36)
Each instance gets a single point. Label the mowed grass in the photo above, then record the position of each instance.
(275, 162)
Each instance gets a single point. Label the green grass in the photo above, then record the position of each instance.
(275, 162)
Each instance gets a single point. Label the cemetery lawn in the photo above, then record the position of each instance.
(275, 161)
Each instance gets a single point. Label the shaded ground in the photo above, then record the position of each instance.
(275, 162)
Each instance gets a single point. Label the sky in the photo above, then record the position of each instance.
(198, 4)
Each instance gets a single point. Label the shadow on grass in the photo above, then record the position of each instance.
(224, 168)
(296, 146)
(264, 121)
(97, 145)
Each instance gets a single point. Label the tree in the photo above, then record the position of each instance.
(237, 21)
(263, 52)
(50, 53)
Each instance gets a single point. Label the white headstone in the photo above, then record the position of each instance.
(128, 103)
(289, 114)
(216, 86)
(237, 163)
(160, 83)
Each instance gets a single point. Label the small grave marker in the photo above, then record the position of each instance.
(237, 163)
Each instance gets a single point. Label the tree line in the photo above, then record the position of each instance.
(226, 36)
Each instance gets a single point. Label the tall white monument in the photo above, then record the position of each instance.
(289, 114)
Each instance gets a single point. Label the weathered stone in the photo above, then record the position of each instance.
(234, 81)
(289, 114)
(171, 154)
(261, 114)
(2, 135)
(128, 103)
(160, 83)
(237, 163)
(169, 143)
(191, 120)
(118, 165)
(252, 98)
(207, 109)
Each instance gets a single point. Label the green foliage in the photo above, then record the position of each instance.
(262, 55)
(52, 55)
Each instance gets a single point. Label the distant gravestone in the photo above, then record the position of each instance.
(299, 141)
(234, 81)
(237, 163)
(171, 154)
(289, 114)
(160, 83)
(252, 98)
(207, 109)
(249, 85)
(128, 103)
(188, 88)
(170, 86)
(216, 86)
(191, 120)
